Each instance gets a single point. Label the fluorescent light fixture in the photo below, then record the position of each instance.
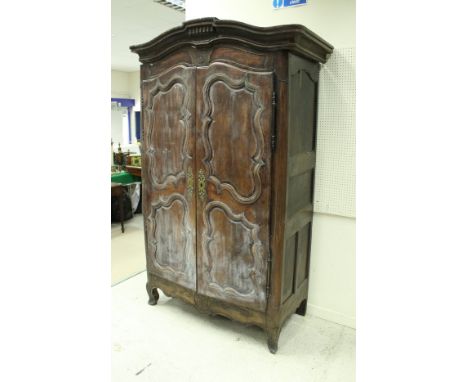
(178, 5)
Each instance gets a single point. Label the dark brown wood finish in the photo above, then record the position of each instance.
(208, 32)
(302, 127)
(168, 151)
(233, 157)
(228, 158)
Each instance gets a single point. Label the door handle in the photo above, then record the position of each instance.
(201, 185)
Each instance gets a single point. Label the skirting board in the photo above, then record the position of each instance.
(331, 315)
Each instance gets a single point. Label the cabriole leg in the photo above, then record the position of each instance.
(153, 294)
(273, 336)
(302, 310)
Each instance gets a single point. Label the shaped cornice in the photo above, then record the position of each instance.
(207, 32)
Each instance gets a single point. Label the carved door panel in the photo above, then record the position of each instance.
(234, 114)
(167, 153)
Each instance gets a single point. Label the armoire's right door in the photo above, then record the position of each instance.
(233, 149)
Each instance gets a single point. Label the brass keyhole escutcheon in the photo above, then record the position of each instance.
(201, 184)
(189, 175)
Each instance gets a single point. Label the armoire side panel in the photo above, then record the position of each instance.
(302, 261)
(303, 91)
(288, 268)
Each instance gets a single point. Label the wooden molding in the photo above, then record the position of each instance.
(207, 32)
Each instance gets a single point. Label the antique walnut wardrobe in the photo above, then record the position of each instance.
(228, 152)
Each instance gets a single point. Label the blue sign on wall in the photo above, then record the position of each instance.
(277, 4)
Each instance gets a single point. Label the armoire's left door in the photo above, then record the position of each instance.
(168, 150)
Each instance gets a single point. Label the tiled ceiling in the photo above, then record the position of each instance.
(136, 22)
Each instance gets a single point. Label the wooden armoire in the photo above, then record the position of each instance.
(228, 157)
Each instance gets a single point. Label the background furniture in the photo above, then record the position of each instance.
(229, 137)
(125, 177)
(131, 176)
(118, 190)
(135, 171)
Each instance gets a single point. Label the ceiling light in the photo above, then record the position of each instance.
(178, 5)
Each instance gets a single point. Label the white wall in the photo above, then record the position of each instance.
(333, 20)
(332, 289)
(134, 90)
(119, 84)
(332, 268)
(127, 85)
(117, 134)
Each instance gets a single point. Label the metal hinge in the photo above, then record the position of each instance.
(273, 122)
